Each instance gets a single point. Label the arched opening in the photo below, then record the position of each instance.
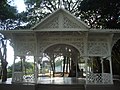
(61, 60)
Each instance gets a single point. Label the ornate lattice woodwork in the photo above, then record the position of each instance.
(50, 39)
(54, 23)
(29, 78)
(115, 38)
(98, 78)
(18, 77)
(98, 46)
(67, 23)
(59, 21)
(25, 44)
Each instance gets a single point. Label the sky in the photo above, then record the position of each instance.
(10, 54)
(19, 4)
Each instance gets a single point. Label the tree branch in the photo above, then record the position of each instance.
(52, 5)
(48, 8)
(74, 6)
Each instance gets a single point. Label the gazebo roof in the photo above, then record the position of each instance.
(60, 20)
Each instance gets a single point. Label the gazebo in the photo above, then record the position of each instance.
(80, 48)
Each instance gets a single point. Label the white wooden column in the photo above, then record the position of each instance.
(36, 69)
(109, 58)
(36, 60)
(17, 76)
(76, 62)
(102, 68)
(13, 68)
(86, 55)
(111, 74)
(86, 69)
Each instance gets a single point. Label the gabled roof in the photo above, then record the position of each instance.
(60, 20)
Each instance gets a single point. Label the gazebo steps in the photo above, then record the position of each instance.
(59, 87)
(16, 87)
(102, 87)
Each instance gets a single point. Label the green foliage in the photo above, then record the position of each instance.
(96, 13)
(101, 13)
(6, 11)
(9, 72)
(10, 18)
(58, 62)
(7, 16)
(29, 67)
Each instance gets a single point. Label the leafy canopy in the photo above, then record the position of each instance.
(101, 13)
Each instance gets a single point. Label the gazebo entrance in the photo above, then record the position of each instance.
(62, 61)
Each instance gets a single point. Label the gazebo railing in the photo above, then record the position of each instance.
(28, 78)
(98, 78)
(17, 77)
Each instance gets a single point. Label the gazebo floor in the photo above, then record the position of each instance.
(57, 83)
(61, 80)
(55, 80)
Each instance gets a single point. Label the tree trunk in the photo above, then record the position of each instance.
(4, 67)
(3, 59)
(64, 65)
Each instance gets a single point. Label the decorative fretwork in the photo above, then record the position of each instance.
(69, 24)
(98, 78)
(107, 78)
(25, 48)
(54, 23)
(49, 40)
(29, 78)
(97, 48)
(80, 46)
(17, 77)
(42, 46)
(94, 78)
(25, 44)
(116, 37)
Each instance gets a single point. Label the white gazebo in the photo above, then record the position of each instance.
(60, 32)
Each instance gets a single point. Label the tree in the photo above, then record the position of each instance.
(7, 16)
(3, 52)
(29, 67)
(39, 9)
(100, 13)
(7, 21)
